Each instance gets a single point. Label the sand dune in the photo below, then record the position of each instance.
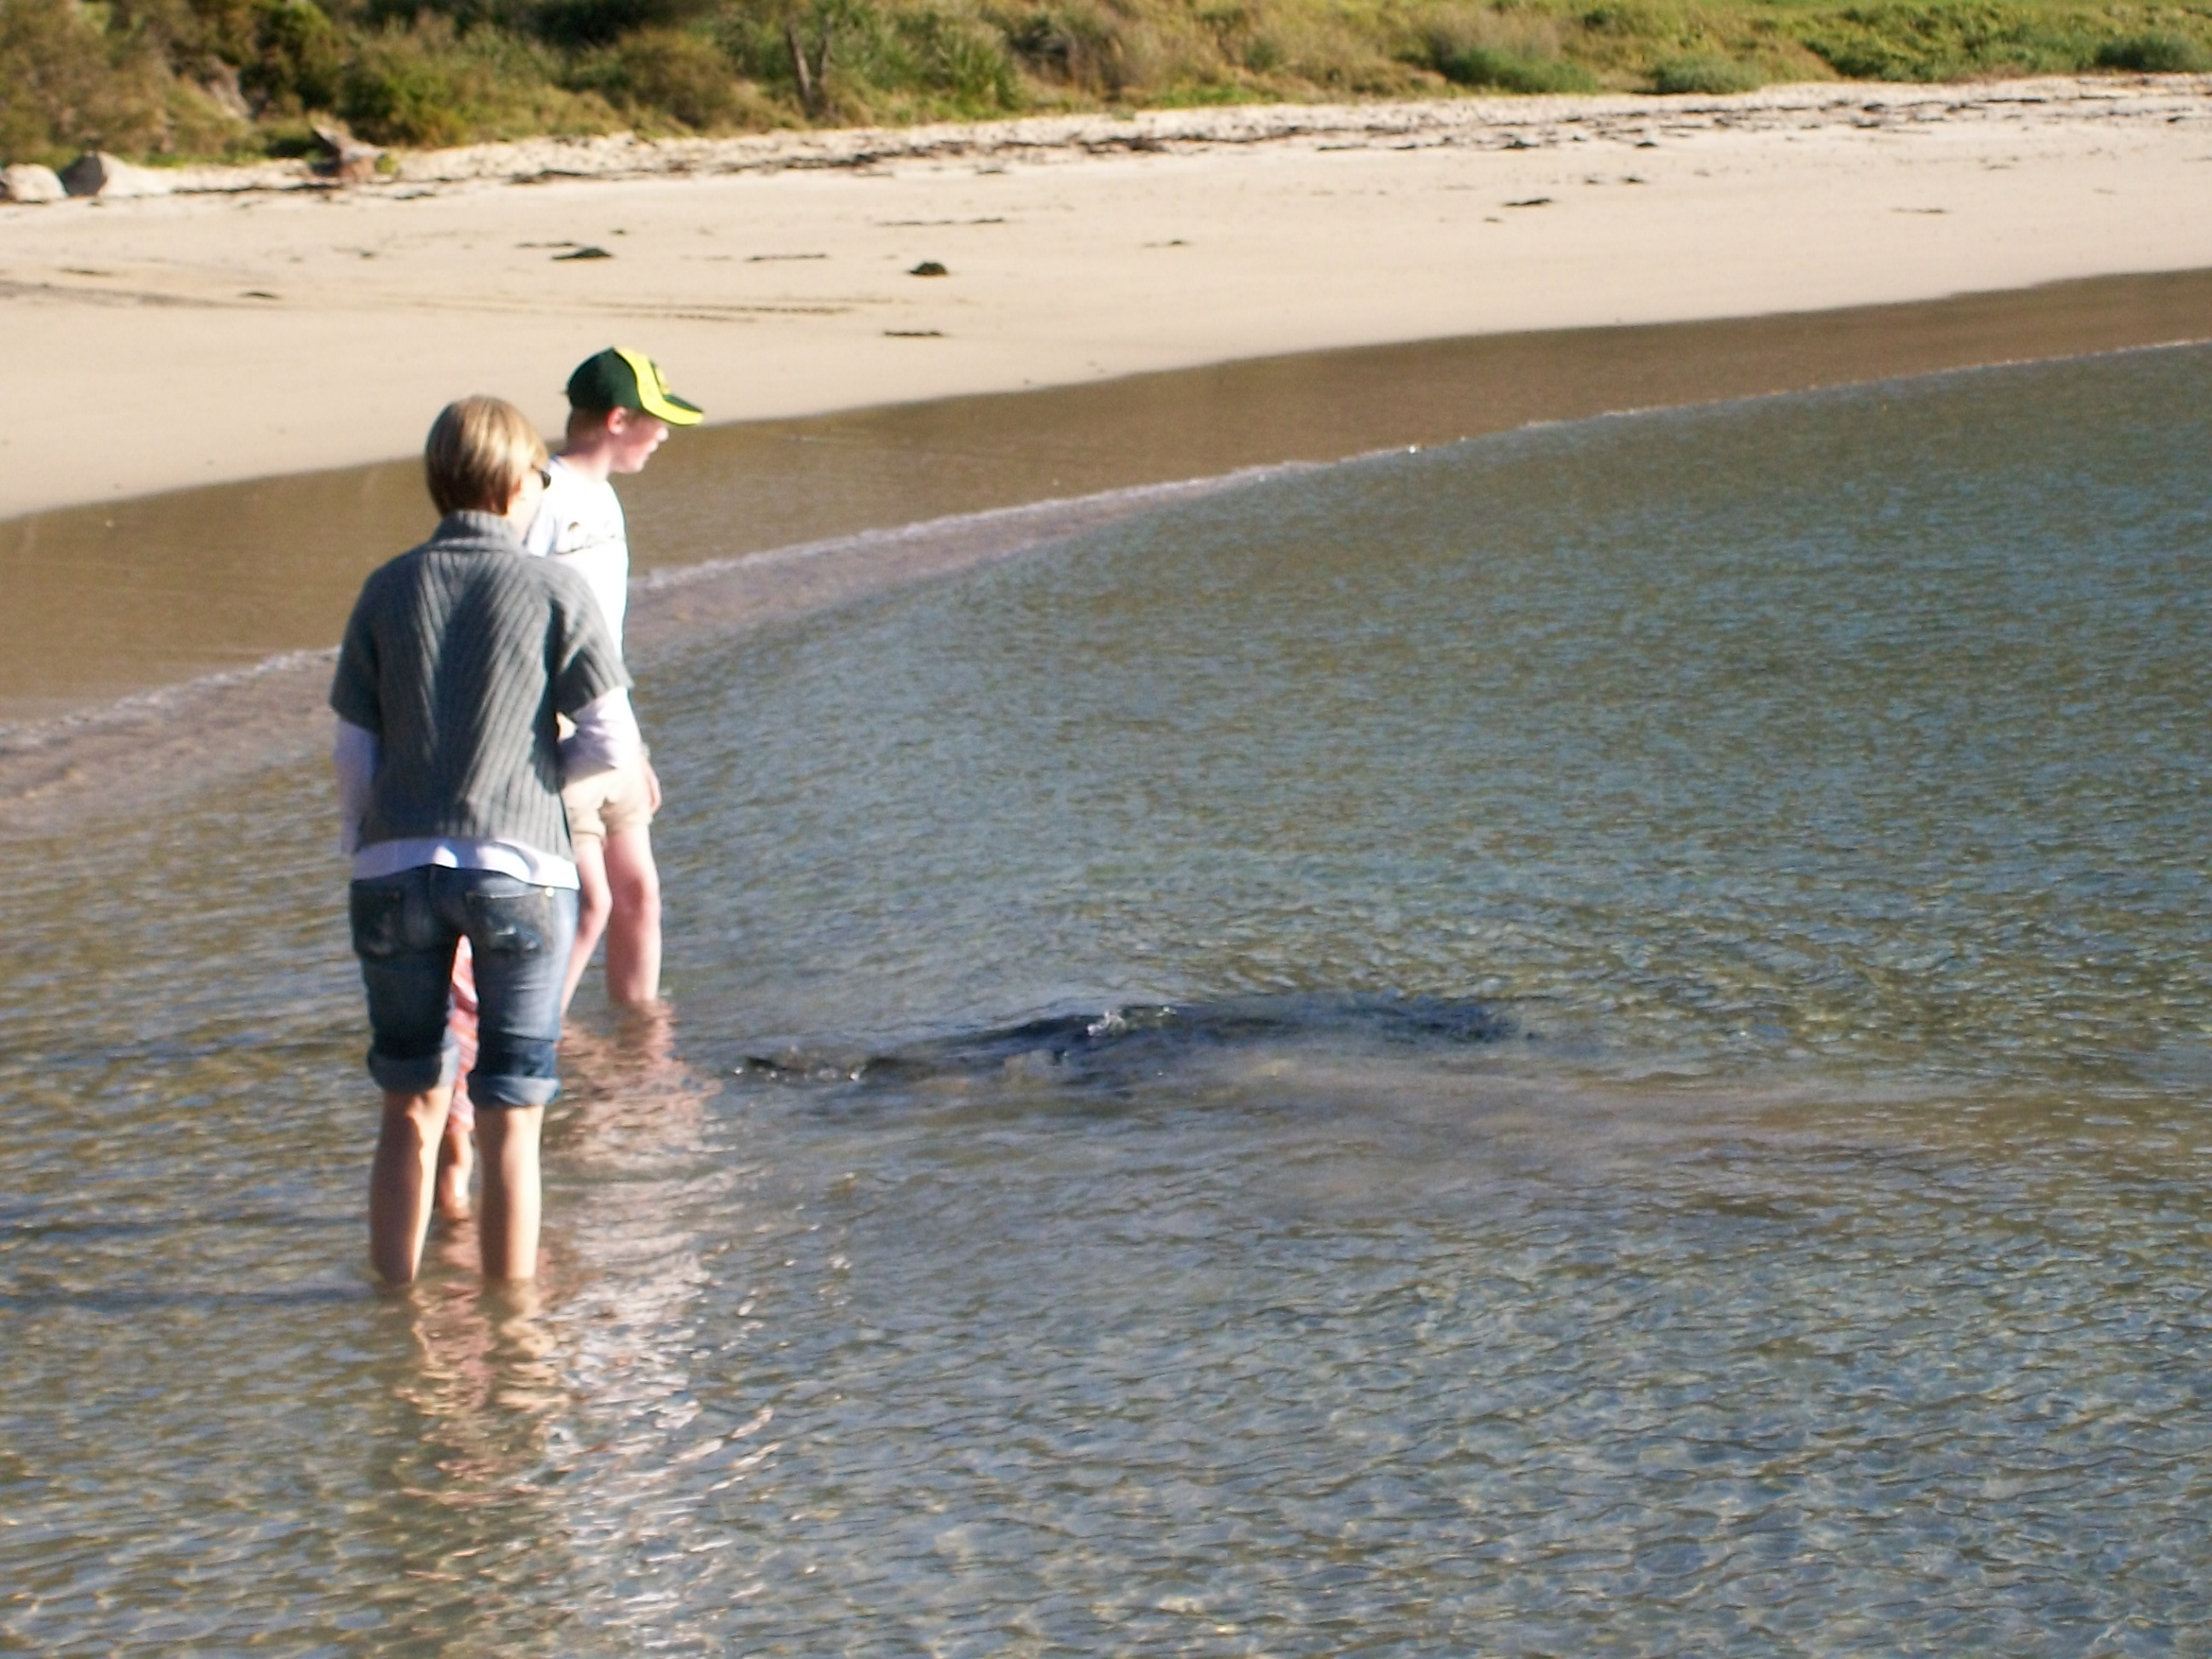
(253, 323)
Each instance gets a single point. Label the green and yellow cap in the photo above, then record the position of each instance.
(619, 378)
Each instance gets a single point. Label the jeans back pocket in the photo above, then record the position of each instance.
(378, 912)
(510, 924)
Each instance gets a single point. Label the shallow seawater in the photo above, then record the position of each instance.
(1595, 1041)
(128, 596)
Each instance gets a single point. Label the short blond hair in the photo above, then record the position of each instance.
(479, 451)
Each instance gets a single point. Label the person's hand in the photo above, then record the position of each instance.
(652, 783)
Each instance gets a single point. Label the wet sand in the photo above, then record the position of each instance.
(120, 600)
(262, 327)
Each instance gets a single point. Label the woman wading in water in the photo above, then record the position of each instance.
(460, 658)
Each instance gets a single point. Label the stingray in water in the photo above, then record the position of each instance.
(1127, 1046)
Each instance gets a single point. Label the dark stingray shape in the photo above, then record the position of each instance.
(1125, 1046)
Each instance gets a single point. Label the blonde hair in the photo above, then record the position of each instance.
(478, 452)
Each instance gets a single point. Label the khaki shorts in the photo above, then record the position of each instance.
(609, 803)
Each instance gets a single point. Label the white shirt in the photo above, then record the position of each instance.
(579, 523)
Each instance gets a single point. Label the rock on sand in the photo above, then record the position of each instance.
(27, 181)
(96, 173)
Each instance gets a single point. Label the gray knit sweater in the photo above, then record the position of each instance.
(458, 657)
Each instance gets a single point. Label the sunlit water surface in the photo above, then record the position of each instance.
(1657, 1105)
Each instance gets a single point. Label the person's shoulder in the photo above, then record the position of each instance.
(575, 512)
(574, 488)
(402, 570)
(579, 496)
(461, 532)
(560, 584)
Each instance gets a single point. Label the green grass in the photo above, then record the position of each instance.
(2156, 51)
(175, 79)
(1516, 51)
(1706, 72)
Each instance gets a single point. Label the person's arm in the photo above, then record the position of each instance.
(355, 697)
(353, 756)
(606, 737)
(590, 685)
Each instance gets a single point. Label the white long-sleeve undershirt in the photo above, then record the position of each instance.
(606, 738)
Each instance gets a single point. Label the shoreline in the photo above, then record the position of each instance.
(1471, 120)
(103, 758)
(258, 329)
(59, 773)
(1475, 121)
(118, 599)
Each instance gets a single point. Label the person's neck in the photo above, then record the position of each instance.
(590, 461)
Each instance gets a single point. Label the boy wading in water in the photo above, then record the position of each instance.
(620, 410)
(460, 660)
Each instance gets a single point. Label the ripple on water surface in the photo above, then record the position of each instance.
(1638, 1089)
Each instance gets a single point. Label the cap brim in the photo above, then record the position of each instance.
(670, 409)
(653, 396)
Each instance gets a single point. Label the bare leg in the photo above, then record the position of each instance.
(594, 904)
(508, 1227)
(456, 1152)
(634, 930)
(457, 1158)
(401, 1179)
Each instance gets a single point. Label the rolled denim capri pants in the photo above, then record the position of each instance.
(405, 928)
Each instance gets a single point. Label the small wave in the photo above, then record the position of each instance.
(121, 755)
(1034, 522)
(160, 700)
(130, 756)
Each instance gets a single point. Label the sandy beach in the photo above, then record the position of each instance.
(254, 322)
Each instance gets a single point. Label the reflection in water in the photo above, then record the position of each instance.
(462, 1531)
(628, 1095)
(663, 1420)
(536, 1423)
(485, 1357)
(1690, 1137)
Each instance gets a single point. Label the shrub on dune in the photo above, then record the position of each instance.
(1506, 51)
(599, 22)
(72, 86)
(953, 59)
(1321, 47)
(657, 77)
(1708, 73)
(1106, 51)
(2160, 51)
(429, 84)
(861, 61)
(1948, 39)
(155, 77)
(299, 58)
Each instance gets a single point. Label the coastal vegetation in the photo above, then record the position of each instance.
(186, 79)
